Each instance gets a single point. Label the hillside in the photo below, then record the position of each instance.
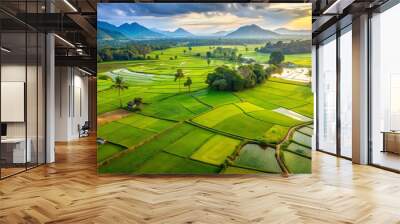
(252, 32)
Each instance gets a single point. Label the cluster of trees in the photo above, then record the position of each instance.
(245, 76)
(132, 51)
(224, 53)
(292, 47)
(135, 104)
(276, 58)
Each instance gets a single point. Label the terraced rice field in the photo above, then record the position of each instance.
(216, 150)
(252, 156)
(201, 131)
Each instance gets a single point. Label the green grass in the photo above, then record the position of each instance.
(216, 98)
(296, 163)
(216, 150)
(103, 85)
(273, 94)
(275, 118)
(306, 110)
(217, 115)
(165, 163)
(108, 100)
(255, 157)
(248, 107)
(276, 133)
(122, 134)
(106, 150)
(176, 108)
(145, 122)
(131, 161)
(238, 170)
(189, 143)
(244, 126)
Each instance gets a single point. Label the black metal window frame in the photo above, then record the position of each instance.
(339, 32)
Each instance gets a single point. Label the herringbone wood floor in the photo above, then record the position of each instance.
(70, 191)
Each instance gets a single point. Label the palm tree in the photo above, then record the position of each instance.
(178, 76)
(188, 83)
(119, 84)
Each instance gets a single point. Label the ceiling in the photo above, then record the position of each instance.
(75, 22)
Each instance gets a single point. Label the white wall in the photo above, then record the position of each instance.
(71, 102)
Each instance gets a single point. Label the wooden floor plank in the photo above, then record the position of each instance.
(70, 191)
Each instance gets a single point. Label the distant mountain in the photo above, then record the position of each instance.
(252, 32)
(137, 31)
(159, 31)
(107, 31)
(178, 33)
(220, 33)
(106, 26)
(103, 34)
(285, 31)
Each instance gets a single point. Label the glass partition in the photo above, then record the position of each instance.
(385, 89)
(14, 153)
(22, 77)
(327, 96)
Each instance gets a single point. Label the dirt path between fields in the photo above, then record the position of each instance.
(112, 116)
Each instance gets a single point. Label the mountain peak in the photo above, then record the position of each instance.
(180, 30)
(135, 30)
(252, 31)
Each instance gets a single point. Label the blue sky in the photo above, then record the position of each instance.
(206, 18)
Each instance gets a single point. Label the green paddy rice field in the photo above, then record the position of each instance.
(202, 131)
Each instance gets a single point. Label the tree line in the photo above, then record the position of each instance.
(128, 52)
(292, 47)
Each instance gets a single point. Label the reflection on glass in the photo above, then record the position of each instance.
(346, 94)
(14, 153)
(327, 96)
(22, 90)
(385, 89)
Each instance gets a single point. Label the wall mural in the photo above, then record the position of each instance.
(191, 88)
